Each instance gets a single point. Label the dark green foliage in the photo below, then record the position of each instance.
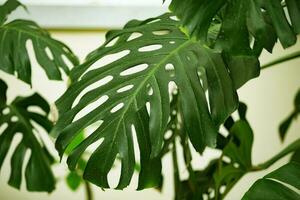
(265, 20)
(180, 60)
(206, 55)
(16, 118)
(14, 37)
(220, 175)
(277, 184)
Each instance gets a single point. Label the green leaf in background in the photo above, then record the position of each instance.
(16, 118)
(236, 159)
(154, 53)
(285, 125)
(51, 54)
(73, 180)
(7, 8)
(239, 150)
(264, 19)
(277, 185)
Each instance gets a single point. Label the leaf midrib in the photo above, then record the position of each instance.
(151, 73)
(34, 35)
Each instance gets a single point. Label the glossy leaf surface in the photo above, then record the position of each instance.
(151, 55)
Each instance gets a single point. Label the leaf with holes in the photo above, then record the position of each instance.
(237, 153)
(17, 118)
(135, 69)
(52, 55)
(283, 183)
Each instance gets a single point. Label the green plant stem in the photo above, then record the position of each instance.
(291, 148)
(176, 169)
(281, 60)
(88, 191)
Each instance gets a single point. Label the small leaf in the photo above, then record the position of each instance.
(239, 150)
(51, 54)
(17, 119)
(73, 180)
(285, 125)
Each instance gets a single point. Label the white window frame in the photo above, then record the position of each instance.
(89, 15)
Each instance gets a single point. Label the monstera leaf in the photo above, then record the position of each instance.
(151, 55)
(279, 184)
(16, 118)
(239, 151)
(264, 19)
(51, 54)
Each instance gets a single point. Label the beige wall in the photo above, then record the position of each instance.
(269, 97)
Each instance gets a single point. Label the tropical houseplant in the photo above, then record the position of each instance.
(175, 79)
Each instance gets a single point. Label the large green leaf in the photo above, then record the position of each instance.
(277, 185)
(264, 19)
(142, 75)
(51, 54)
(16, 118)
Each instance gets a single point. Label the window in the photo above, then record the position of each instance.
(88, 14)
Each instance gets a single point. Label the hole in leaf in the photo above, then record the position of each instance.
(150, 92)
(172, 42)
(212, 194)
(169, 67)
(67, 62)
(14, 119)
(222, 189)
(91, 87)
(134, 35)
(148, 107)
(205, 197)
(161, 32)
(105, 61)
(226, 159)
(174, 112)
(153, 21)
(92, 106)
(172, 87)
(114, 174)
(92, 148)
(92, 127)
(117, 108)
(112, 42)
(152, 47)
(125, 88)
(168, 134)
(174, 18)
(236, 165)
(135, 143)
(134, 69)
(35, 109)
(49, 53)
(207, 99)
(3, 127)
(5, 111)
